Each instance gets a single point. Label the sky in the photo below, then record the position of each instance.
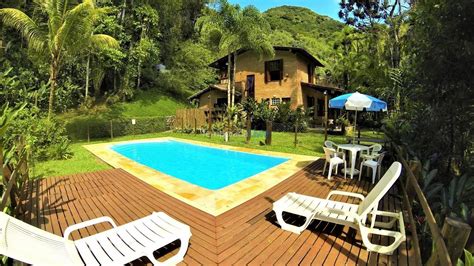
(324, 7)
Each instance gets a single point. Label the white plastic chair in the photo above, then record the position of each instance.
(116, 246)
(352, 215)
(332, 157)
(375, 163)
(330, 144)
(371, 152)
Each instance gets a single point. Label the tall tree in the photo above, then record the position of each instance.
(440, 69)
(96, 44)
(229, 28)
(67, 32)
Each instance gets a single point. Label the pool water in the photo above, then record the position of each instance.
(207, 167)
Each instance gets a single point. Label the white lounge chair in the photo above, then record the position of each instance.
(116, 246)
(352, 215)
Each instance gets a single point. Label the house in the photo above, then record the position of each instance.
(288, 77)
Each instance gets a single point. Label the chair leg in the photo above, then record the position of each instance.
(374, 172)
(345, 169)
(330, 170)
(360, 170)
(337, 167)
(176, 258)
(325, 164)
(289, 227)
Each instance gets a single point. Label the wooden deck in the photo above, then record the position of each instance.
(247, 234)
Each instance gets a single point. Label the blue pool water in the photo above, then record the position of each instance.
(206, 167)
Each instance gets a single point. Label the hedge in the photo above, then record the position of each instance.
(97, 128)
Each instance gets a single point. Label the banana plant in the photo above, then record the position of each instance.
(468, 259)
(231, 119)
(453, 199)
(7, 115)
(249, 106)
(267, 114)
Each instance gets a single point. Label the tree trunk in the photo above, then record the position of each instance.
(249, 128)
(115, 79)
(139, 73)
(232, 102)
(87, 76)
(268, 134)
(52, 90)
(123, 11)
(228, 79)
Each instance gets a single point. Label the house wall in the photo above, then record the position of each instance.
(312, 93)
(289, 87)
(205, 100)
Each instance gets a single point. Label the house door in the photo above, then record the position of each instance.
(310, 104)
(251, 86)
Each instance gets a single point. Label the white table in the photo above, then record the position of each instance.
(353, 149)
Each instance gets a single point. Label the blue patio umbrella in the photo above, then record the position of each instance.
(357, 102)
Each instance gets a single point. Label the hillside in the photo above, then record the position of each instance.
(301, 27)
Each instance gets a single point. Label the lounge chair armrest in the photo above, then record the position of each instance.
(399, 236)
(104, 219)
(345, 193)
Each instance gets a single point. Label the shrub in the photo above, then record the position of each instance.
(46, 139)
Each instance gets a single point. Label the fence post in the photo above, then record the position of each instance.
(456, 234)
(111, 130)
(209, 120)
(195, 123)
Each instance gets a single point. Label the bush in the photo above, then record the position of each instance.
(45, 138)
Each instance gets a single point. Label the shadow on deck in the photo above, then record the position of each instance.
(247, 234)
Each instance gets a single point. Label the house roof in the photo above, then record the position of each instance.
(323, 87)
(211, 87)
(221, 62)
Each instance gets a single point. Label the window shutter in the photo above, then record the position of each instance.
(281, 68)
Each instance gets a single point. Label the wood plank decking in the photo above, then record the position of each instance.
(247, 234)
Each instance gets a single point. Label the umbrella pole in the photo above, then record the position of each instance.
(354, 130)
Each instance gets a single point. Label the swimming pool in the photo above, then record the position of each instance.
(207, 167)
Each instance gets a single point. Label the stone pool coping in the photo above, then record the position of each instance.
(214, 202)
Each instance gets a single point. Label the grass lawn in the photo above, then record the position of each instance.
(83, 161)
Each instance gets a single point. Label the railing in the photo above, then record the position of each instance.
(411, 185)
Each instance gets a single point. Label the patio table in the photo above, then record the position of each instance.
(353, 149)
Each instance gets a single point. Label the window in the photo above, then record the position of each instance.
(310, 73)
(286, 100)
(221, 102)
(274, 70)
(275, 101)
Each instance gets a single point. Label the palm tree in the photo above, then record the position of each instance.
(249, 106)
(230, 28)
(96, 44)
(68, 32)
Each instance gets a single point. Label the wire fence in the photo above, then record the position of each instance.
(89, 129)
